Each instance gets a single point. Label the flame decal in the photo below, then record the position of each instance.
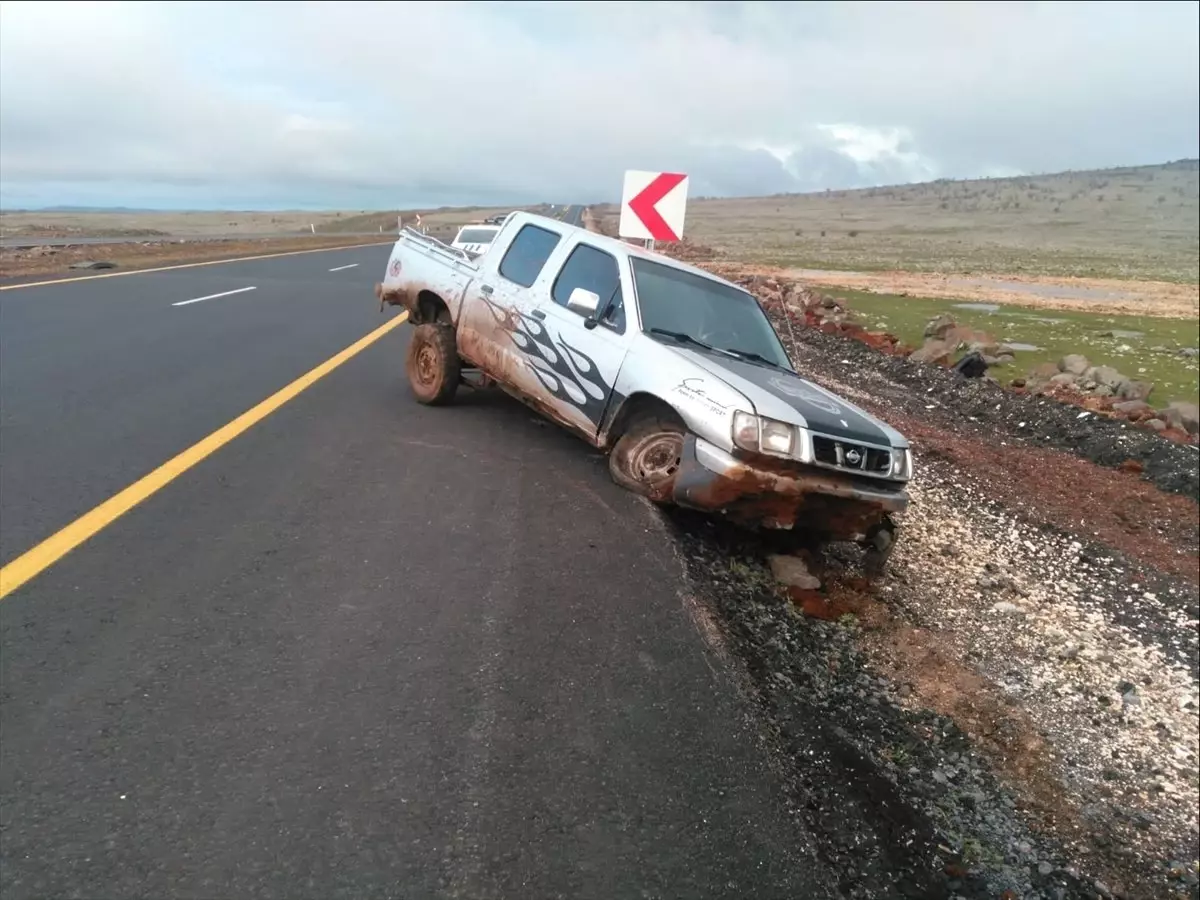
(569, 374)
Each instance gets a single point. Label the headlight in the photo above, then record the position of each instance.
(902, 464)
(760, 435)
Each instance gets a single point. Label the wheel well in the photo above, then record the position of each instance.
(637, 406)
(432, 308)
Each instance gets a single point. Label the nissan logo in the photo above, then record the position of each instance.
(853, 457)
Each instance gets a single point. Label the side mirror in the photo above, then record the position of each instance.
(584, 302)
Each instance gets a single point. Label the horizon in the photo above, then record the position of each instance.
(1192, 162)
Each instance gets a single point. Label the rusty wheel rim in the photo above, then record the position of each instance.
(657, 458)
(426, 365)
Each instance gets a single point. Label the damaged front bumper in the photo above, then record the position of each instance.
(782, 494)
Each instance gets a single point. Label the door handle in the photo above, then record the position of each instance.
(538, 314)
(485, 289)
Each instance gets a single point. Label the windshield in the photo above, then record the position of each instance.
(475, 236)
(724, 317)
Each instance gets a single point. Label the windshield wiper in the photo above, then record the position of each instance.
(682, 338)
(755, 357)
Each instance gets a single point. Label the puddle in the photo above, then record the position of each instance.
(982, 307)
(1027, 348)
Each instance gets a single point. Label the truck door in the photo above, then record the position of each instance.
(578, 377)
(494, 332)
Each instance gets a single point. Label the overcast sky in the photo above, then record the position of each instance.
(366, 105)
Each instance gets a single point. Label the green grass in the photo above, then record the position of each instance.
(1141, 347)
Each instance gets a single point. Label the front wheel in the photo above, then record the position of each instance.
(433, 366)
(646, 457)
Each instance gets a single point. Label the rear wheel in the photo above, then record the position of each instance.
(433, 365)
(647, 456)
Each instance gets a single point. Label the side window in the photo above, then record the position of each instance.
(527, 254)
(593, 270)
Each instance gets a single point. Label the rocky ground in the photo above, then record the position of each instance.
(1012, 711)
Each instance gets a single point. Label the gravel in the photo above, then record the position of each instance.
(1015, 706)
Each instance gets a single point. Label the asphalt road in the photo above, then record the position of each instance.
(366, 648)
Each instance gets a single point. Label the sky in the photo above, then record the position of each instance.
(348, 105)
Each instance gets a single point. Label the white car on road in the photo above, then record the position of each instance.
(474, 240)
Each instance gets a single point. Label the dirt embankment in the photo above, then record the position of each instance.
(47, 260)
(1014, 710)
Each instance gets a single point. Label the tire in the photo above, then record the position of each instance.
(432, 364)
(877, 553)
(646, 457)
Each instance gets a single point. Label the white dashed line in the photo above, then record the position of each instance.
(339, 268)
(213, 296)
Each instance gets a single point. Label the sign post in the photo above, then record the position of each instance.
(653, 205)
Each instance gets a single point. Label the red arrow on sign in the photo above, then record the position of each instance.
(644, 205)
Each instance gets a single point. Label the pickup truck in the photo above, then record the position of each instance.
(676, 374)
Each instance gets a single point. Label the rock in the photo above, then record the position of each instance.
(1107, 376)
(1074, 363)
(984, 348)
(1135, 390)
(1018, 382)
(1132, 408)
(1157, 424)
(939, 326)
(1182, 415)
(1007, 609)
(1189, 353)
(1043, 372)
(1044, 868)
(1064, 378)
(935, 351)
(792, 571)
(1003, 358)
(973, 365)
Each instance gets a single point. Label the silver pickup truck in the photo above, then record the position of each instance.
(677, 374)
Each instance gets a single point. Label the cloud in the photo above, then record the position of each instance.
(379, 105)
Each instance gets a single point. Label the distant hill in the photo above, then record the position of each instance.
(1140, 222)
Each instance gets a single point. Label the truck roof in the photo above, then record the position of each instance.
(616, 245)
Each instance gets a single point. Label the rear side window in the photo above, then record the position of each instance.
(527, 254)
(476, 236)
(596, 271)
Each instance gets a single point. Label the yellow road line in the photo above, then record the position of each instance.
(207, 262)
(58, 545)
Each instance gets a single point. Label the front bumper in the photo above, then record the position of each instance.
(781, 495)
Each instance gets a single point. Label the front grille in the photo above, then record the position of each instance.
(851, 457)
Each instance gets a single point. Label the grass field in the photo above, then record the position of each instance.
(148, 225)
(1141, 347)
(1135, 223)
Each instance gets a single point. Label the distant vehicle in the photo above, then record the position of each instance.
(676, 374)
(474, 240)
(497, 220)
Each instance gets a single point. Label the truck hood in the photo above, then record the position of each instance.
(783, 395)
